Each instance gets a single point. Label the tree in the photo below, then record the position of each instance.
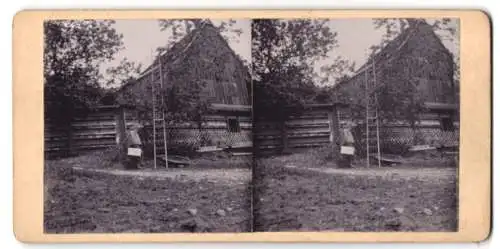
(328, 93)
(337, 71)
(116, 77)
(283, 52)
(73, 51)
(125, 72)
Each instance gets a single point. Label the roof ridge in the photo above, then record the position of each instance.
(408, 32)
(195, 34)
(367, 65)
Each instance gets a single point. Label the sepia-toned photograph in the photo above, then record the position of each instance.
(251, 125)
(356, 124)
(147, 126)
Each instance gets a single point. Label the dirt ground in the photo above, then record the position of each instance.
(292, 194)
(82, 197)
(299, 192)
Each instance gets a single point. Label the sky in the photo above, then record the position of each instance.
(355, 36)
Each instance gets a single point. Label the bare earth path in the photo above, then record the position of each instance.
(387, 172)
(243, 176)
(223, 176)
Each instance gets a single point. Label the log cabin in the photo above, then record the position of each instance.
(204, 59)
(417, 58)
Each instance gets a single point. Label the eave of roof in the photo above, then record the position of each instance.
(440, 106)
(231, 108)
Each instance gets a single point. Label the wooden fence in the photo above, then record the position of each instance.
(315, 126)
(214, 133)
(94, 131)
(318, 125)
(98, 130)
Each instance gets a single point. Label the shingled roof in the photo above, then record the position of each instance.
(178, 50)
(201, 57)
(394, 48)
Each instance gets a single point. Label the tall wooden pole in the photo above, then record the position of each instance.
(376, 112)
(367, 99)
(153, 92)
(163, 111)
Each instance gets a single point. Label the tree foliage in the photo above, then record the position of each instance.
(73, 52)
(126, 71)
(283, 55)
(339, 70)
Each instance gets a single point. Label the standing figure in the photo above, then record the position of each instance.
(134, 151)
(347, 146)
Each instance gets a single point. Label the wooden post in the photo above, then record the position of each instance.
(121, 133)
(333, 117)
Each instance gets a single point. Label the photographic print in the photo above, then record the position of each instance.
(356, 124)
(147, 126)
(257, 126)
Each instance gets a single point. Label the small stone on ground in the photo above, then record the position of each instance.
(399, 210)
(427, 211)
(192, 211)
(221, 212)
